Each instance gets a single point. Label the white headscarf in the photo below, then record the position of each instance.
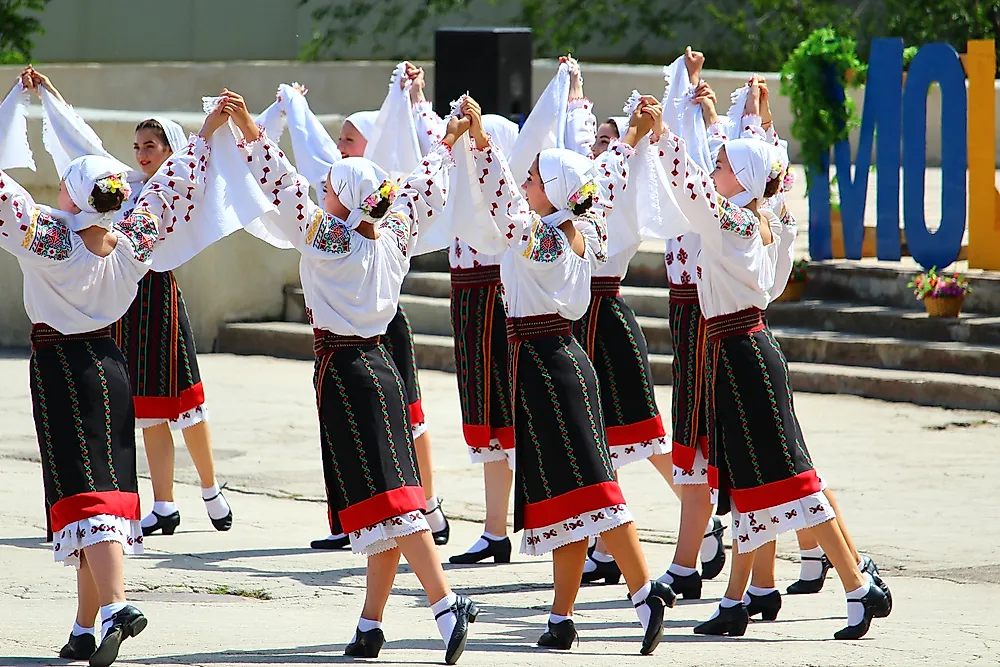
(392, 142)
(685, 117)
(14, 148)
(545, 126)
(80, 177)
(738, 103)
(364, 122)
(355, 179)
(621, 125)
(751, 162)
(176, 137)
(563, 173)
(503, 132)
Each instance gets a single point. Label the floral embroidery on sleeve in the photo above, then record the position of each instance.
(140, 228)
(736, 219)
(396, 224)
(327, 234)
(597, 220)
(47, 237)
(544, 243)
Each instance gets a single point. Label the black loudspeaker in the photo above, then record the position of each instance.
(492, 64)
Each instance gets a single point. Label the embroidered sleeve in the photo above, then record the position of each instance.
(751, 128)
(430, 127)
(786, 251)
(421, 197)
(26, 231)
(613, 168)
(140, 229)
(592, 225)
(581, 127)
(171, 195)
(328, 234)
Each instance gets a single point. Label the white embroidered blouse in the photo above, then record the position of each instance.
(351, 282)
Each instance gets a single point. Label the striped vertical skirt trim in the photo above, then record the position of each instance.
(689, 404)
(156, 338)
(617, 349)
(398, 341)
(564, 473)
(758, 458)
(478, 324)
(369, 464)
(85, 425)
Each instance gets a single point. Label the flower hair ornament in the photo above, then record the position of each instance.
(387, 190)
(112, 183)
(587, 191)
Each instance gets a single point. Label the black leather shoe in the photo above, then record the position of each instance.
(876, 606)
(660, 597)
(688, 586)
(168, 524)
(767, 606)
(498, 550)
(710, 569)
(226, 522)
(609, 572)
(466, 612)
(331, 544)
(731, 621)
(366, 644)
(442, 536)
(559, 636)
(79, 647)
(125, 623)
(807, 586)
(868, 566)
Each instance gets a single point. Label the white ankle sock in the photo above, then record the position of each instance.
(709, 545)
(364, 625)
(80, 630)
(855, 611)
(642, 610)
(447, 621)
(217, 507)
(107, 611)
(810, 570)
(482, 543)
(756, 590)
(589, 565)
(602, 557)
(434, 515)
(555, 619)
(338, 536)
(164, 508)
(724, 603)
(675, 570)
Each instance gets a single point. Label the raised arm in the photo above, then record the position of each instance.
(420, 200)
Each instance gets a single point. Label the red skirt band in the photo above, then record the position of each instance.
(480, 276)
(748, 321)
(169, 407)
(683, 293)
(572, 503)
(381, 507)
(602, 286)
(85, 505)
(325, 342)
(477, 435)
(536, 326)
(43, 334)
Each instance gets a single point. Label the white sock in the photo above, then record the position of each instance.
(589, 565)
(482, 543)
(164, 508)
(217, 507)
(434, 515)
(756, 590)
(338, 536)
(810, 570)
(709, 545)
(602, 557)
(80, 630)
(725, 603)
(856, 612)
(555, 619)
(107, 611)
(675, 570)
(447, 621)
(364, 625)
(642, 610)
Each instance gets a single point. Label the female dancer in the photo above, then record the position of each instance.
(566, 491)
(155, 335)
(354, 256)
(757, 455)
(80, 390)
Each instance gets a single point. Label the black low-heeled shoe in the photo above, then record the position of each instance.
(868, 566)
(560, 636)
(168, 524)
(466, 611)
(686, 585)
(331, 544)
(498, 550)
(767, 606)
(660, 597)
(609, 572)
(366, 644)
(126, 622)
(79, 647)
(809, 586)
(442, 536)
(710, 569)
(876, 606)
(731, 621)
(226, 522)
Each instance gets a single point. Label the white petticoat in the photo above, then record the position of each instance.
(622, 455)
(540, 541)
(185, 420)
(419, 429)
(76, 536)
(382, 536)
(494, 452)
(698, 474)
(752, 530)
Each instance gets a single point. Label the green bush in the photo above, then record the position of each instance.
(18, 26)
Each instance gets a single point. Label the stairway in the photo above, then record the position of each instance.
(836, 341)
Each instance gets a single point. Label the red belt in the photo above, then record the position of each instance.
(746, 321)
(326, 341)
(536, 326)
(43, 335)
(480, 276)
(605, 286)
(683, 293)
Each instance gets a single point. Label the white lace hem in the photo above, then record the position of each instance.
(494, 452)
(185, 420)
(76, 536)
(698, 474)
(382, 536)
(540, 541)
(622, 455)
(419, 429)
(755, 529)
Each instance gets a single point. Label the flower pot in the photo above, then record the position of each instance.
(943, 306)
(793, 291)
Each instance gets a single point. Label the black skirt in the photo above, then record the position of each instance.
(85, 424)
(478, 324)
(757, 456)
(398, 340)
(369, 464)
(689, 404)
(155, 336)
(563, 464)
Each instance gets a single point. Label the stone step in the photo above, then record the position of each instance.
(948, 390)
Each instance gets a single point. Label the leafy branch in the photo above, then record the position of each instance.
(17, 29)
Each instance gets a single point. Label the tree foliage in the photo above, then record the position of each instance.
(18, 26)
